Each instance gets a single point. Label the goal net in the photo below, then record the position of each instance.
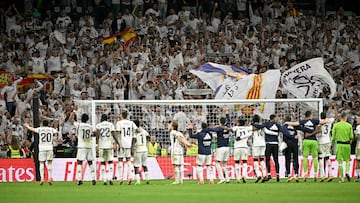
(155, 116)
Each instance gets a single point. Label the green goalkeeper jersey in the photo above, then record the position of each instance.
(342, 132)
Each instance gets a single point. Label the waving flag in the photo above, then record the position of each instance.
(215, 74)
(230, 82)
(307, 79)
(127, 35)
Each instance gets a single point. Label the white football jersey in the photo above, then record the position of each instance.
(176, 146)
(357, 132)
(46, 137)
(141, 142)
(83, 133)
(105, 129)
(258, 138)
(241, 135)
(325, 136)
(127, 130)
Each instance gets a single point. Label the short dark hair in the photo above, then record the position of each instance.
(124, 114)
(307, 113)
(104, 117)
(256, 118)
(84, 118)
(343, 115)
(45, 123)
(322, 115)
(272, 116)
(137, 123)
(222, 120)
(204, 125)
(242, 122)
(287, 118)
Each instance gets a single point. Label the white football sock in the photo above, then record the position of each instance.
(219, 170)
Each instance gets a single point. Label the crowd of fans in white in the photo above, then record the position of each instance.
(171, 41)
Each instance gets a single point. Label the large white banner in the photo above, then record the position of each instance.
(307, 79)
(230, 82)
(253, 86)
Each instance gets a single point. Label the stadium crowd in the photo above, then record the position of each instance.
(171, 40)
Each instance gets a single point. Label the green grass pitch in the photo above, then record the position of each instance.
(189, 192)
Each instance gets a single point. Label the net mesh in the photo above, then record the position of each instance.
(155, 116)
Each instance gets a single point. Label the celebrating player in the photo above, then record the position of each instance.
(271, 129)
(324, 148)
(290, 137)
(223, 150)
(204, 138)
(242, 133)
(126, 129)
(104, 133)
(342, 134)
(177, 139)
(141, 153)
(85, 143)
(46, 153)
(258, 151)
(357, 132)
(310, 145)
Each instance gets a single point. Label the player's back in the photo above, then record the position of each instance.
(46, 137)
(258, 138)
(204, 141)
(105, 129)
(176, 147)
(127, 132)
(241, 136)
(141, 142)
(84, 135)
(325, 136)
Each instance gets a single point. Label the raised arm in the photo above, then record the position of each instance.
(26, 125)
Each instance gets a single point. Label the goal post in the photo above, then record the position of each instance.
(155, 116)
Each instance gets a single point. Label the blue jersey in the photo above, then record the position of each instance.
(309, 126)
(204, 138)
(289, 134)
(221, 134)
(271, 130)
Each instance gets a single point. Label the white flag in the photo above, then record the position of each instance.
(253, 86)
(307, 79)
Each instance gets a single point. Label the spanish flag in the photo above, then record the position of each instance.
(128, 36)
(108, 40)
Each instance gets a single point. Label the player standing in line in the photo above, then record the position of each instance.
(258, 151)
(222, 152)
(242, 133)
(357, 152)
(126, 129)
(204, 138)
(310, 145)
(46, 153)
(271, 129)
(104, 133)
(290, 137)
(177, 140)
(324, 141)
(141, 153)
(342, 134)
(85, 143)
